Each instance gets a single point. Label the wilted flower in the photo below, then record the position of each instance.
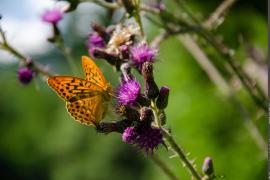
(122, 36)
(52, 16)
(142, 53)
(128, 92)
(25, 75)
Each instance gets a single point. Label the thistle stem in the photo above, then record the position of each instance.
(4, 45)
(180, 153)
(173, 143)
(59, 42)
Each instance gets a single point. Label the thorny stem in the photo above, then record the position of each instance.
(180, 153)
(221, 83)
(222, 49)
(169, 138)
(252, 88)
(164, 167)
(218, 14)
(7, 47)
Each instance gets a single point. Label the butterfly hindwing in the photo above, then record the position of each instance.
(86, 99)
(92, 72)
(87, 111)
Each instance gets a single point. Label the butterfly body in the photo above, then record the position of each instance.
(86, 99)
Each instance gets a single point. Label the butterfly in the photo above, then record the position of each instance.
(86, 99)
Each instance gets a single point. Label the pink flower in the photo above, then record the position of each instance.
(128, 92)
(52, 16)
(25, 75)
(142, 53)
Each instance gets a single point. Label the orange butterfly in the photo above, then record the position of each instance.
(86, 99)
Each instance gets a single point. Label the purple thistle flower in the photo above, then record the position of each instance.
(52, 16)
(25, 75)
(128, 92)
(147, 138)
(129, 135)
(95, 41)
(142, 53)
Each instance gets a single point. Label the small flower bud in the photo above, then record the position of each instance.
(147, 115)
(162, 100)
(150, 89)
(208, 167)
(53, 16)
(25, 75)
(102, 54)
(101, 31)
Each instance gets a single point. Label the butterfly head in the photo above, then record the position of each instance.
(108, 89)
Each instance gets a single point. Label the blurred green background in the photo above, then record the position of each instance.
(39, 140)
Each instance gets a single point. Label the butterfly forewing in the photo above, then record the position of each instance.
(85, 98)
(92, 72)
(71, 87)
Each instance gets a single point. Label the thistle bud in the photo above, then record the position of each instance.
(52, 16)
(208, 167)
(151, 88)
(25, 75)
(162, 100)
(101, 31)
(102, 54)
(146, 115)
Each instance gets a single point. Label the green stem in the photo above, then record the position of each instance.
(7, 47)
(173, 143)
(164, 167)
(67, 55)
(59, 41)
(254, 90)
(180, 153)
